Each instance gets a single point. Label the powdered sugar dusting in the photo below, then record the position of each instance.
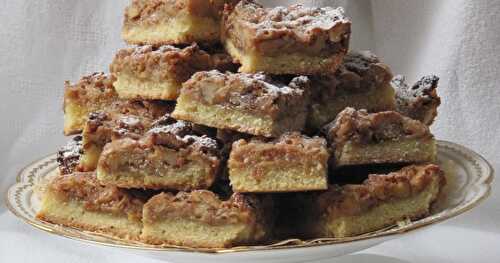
(73, 149)
(300, 19)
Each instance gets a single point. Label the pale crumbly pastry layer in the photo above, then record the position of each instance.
(147, 72)
(400, 151)
(359, 137)
(249, 103)
(201, 219)
(381, 201)
(171, 155)
(361, 82)
(224, 118)
(284, 63)
(291, 163)
(91, 93)
(173, 22)
(130, 87)
(286, 40)
(77, 200)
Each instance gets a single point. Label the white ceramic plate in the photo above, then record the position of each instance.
(469, 182)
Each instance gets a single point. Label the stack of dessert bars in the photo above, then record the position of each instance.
(226, 123)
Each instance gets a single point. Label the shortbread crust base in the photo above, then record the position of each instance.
(291, 63)
(403, 151)
(177, 30)
(129, 87)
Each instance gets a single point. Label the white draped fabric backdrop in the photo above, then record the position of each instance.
(44, 42)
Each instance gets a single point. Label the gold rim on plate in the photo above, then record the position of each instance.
(475, 188)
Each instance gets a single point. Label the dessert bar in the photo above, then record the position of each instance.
(202, 219)
(247, 103)
(359, 137)
(78, 200)
(291, 163)
(381, 201)
(171, 155)
(286, 40)
(145, 72)
(159, 22)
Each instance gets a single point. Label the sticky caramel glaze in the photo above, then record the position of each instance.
(286, 29)
(363, 127)
(204, 206)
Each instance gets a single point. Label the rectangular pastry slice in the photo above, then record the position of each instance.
(248, 103)
(202, 219)
(358, 137)
(292, 163)
(381, 201)
(78, 200)
(146, 72)
(158, 22)
(420, 101)
(68, 157)
(362, 82)
(123, 119)
(92, 93)
(172, 155)
(286, 40)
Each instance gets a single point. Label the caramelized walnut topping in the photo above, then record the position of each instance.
(363, 127)
(352, 200)
(256, 93)
(95, 82)
(204, 206)
(68, 156)
(164, 62)
(177, 134)
(361, 71)
(295, 28)
(156, 11)
(419, 101)
(85, 187)
(289, 146)
(125, 119)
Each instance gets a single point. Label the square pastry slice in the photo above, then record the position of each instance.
(286, 40)
(125, 119)
(292, 163)
(420, 101)
(358, 137)
(381, 201)
(68, 157)
(158, 22)
(201, 219)
(78, 200)
(248, 103)
(145, 72)
(92, 93)
(362, 82)
(172, 155)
